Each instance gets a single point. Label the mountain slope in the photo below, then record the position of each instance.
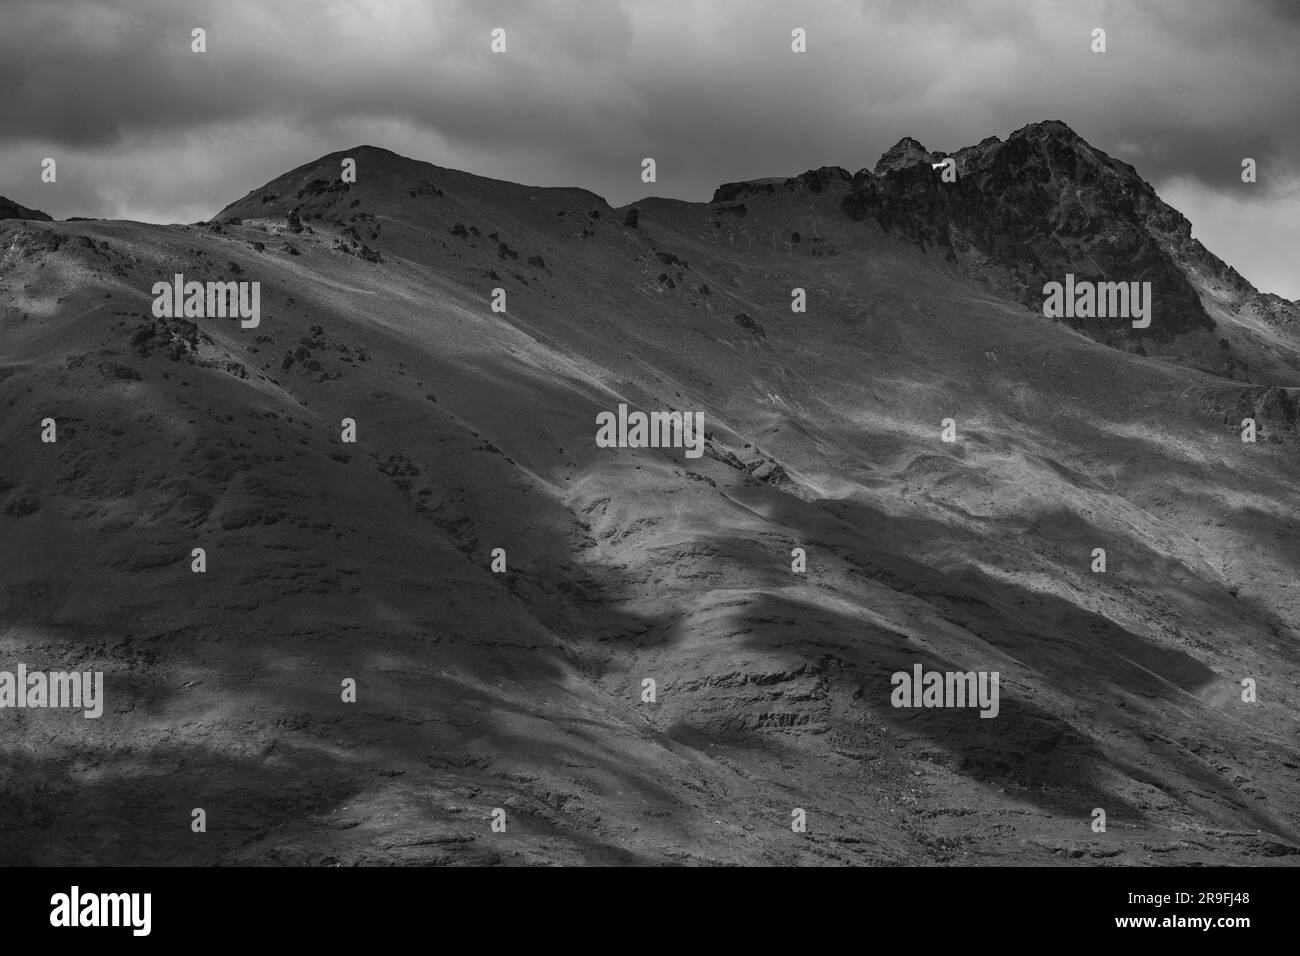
(523, 690)
(11, 210)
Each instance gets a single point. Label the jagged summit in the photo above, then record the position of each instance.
(906, 152)
(1046, 128)
(909, 151)
(1039, 206)
(11, 210)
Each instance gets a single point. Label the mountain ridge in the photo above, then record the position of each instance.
(1000, 222)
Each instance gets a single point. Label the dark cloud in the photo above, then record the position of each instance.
(143, 127)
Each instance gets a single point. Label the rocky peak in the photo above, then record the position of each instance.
(1029, 210)
(906, 152)
(1046, 129)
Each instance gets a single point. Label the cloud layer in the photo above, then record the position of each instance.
(144, 128)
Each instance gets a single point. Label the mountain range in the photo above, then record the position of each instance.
(525, 689)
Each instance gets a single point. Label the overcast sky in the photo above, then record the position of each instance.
(143, 128)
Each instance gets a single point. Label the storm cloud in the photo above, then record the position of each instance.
(143, 128)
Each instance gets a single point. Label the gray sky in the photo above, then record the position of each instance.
(143, 128)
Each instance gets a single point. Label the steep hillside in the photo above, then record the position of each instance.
(523, 690)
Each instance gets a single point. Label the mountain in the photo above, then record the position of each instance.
(11, 210)
(1044, 203)
(525, 690)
